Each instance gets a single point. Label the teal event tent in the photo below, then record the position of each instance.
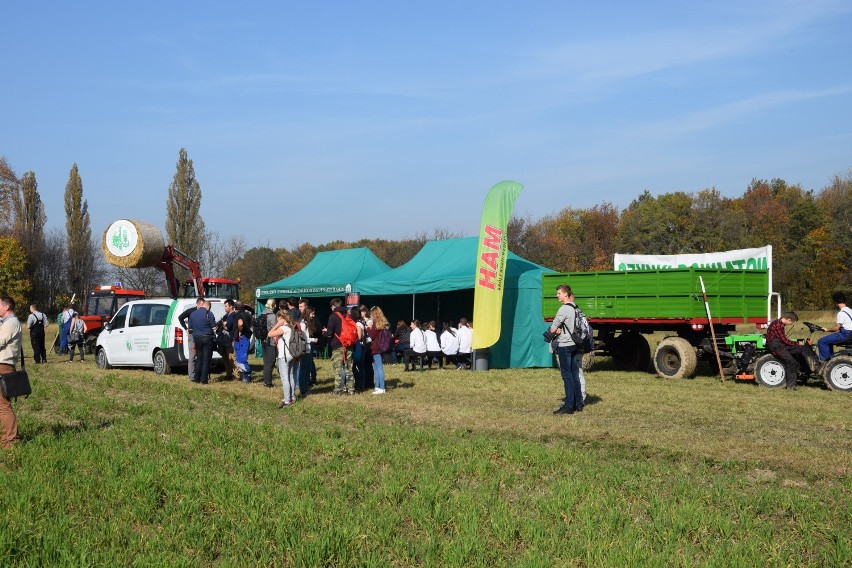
(437, 284)
(327, 274)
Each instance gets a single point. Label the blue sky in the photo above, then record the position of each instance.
(310, 122)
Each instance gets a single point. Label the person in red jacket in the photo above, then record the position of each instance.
(784, 348)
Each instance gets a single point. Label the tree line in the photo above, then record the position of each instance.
(810, 231)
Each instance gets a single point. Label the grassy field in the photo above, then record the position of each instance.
(449, 467)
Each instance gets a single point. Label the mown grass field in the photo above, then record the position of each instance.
(450, 467)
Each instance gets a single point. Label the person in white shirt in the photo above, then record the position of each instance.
(433, 346)
(450, 343)
(418, 344)
(465, 337)
(842, 330)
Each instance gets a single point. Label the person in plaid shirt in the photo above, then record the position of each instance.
(784, 348)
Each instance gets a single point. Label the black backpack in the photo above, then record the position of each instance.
(582, 335)
(259, 327)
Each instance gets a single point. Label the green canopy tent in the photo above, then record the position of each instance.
(326, 275)
(438, 284)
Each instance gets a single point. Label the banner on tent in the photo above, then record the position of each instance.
(491, 259)
(278, 292)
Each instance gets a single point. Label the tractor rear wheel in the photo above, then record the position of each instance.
(837, 373)
(769, 371)
(675, 358)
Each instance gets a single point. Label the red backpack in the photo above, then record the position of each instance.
(348, 331)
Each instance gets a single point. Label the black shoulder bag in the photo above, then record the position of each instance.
(16, 383)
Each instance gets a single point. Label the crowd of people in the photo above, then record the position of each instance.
(291, 335)
(358, 341)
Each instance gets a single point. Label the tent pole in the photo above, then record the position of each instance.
(412, 307)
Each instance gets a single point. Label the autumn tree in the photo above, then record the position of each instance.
(184, 225)
(256, 267)
(81, 256)
(656, 225)
(13, 271)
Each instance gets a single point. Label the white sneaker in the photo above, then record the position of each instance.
(378, 391)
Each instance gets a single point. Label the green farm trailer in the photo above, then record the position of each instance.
(624, 306)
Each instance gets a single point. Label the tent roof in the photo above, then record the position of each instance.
(440, 266)
(327, 274)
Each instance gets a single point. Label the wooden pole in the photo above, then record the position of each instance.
(712, 331)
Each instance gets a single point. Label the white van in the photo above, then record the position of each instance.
(147, 333)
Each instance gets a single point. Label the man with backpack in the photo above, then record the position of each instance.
(570, 356)
(339, 332)
(36, 322)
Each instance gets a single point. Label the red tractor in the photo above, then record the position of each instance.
(198, 286)
(101, 305)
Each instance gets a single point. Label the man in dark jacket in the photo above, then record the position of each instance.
(340, 355)
(202, 322)
(192, 354)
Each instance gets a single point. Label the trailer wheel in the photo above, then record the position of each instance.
(631, 352)
(675, 358)
(161, 366)
(838, 373)
(769, 372)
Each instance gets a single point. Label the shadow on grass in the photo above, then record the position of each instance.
(59, 430)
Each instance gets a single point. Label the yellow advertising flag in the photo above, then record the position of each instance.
(491, 258)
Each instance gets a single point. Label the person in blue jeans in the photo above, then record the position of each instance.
(570, 358)
(381, 336)
(842, 330)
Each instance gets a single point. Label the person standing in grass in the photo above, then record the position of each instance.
(76, 337)
(287, 366)
(202, 322)
(570, 358)
(339, 353)
(380, 335)
(36, 323)
(11, 336)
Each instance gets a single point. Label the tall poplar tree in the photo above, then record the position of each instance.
(28, 227)
(184, 226)
(8, 188)
(81, 258)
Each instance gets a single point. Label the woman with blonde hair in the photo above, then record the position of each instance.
(287, 366)
(377, 329)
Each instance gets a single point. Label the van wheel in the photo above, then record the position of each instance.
(675, 358)
(838, 373)
(101, 359)
(769, 372)
(161, 366)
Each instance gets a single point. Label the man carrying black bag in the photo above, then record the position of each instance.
(10, 353)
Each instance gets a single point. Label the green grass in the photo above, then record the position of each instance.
(452, 468)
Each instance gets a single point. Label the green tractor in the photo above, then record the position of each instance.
(747, 358)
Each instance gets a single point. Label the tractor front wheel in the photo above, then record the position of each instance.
(837, 373)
